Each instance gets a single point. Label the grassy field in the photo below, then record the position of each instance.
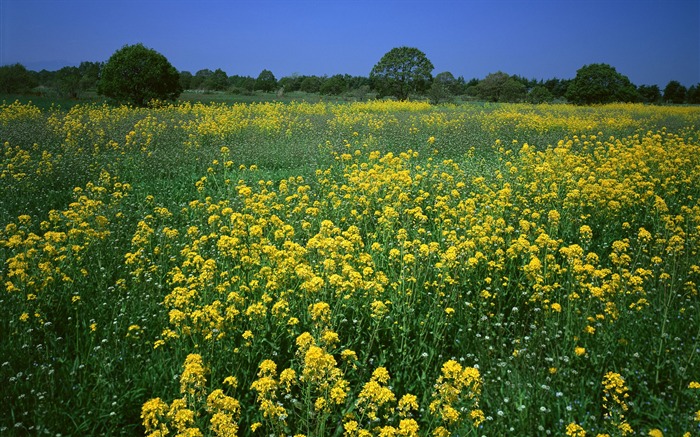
(359, 269)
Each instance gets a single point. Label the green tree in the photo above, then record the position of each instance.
(310, 84)
(136, 75)
(199, 78)
(186, 80)
(500, 87)
(68, 82)
(402, 71)
(539, 94)
(266, 81)
(16, 79)
(443, 89)
(334, 85)
(674, 92)
(291, 83)
(453, 85)
(90, 74)
(649, 93)
(241, 84)
(218, 80)
(693, 94)
(600, 83)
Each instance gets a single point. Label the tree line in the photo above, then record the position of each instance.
(402, 73)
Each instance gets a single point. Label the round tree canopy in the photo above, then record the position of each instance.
(136, 75)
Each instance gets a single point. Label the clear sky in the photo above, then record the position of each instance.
(649, 41)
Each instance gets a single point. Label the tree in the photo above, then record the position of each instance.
(310, 84)
(218, 80)
(186, 80)
(402, 71)
(136, 75)
(600, 83)
(649, 93)
(291, 83)
(453, 85)
(334, 85)
(539, 94)
(500, 87)
(90, 74)
(674, 92)
(199, 78)
(693, 94)
(68, 82)
(444, 87)
(266, 81)
(16, 79)
(241, 84)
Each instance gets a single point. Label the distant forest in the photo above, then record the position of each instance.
(80, 82)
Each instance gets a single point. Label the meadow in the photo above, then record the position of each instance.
(363, 269)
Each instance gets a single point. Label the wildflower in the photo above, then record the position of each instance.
(192, 379)
(580, 351)
(575, 430)
(407, 403)
(348, 355)
(231, 381)
(153, 413)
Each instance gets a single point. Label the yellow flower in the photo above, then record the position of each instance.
(477, 416)
(440, 431)
(655, 433)
(348, 355)
(575, 430)
(407, 403)
(580, 351)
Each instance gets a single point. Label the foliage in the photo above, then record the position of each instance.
(402, 71)
(376, 268)
(649, 93)
(90, 74)
(186, 80)
(500, 87)
(600, 83)
(335, 85)
(674, 92)
(217, 80)
(539, 94)
(68, 82)
(266, 81)
(136, 75)
(16, 79)
(693, 94)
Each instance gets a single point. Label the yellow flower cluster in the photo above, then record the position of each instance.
(185, 416)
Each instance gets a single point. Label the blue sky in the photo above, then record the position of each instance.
(650, 41)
